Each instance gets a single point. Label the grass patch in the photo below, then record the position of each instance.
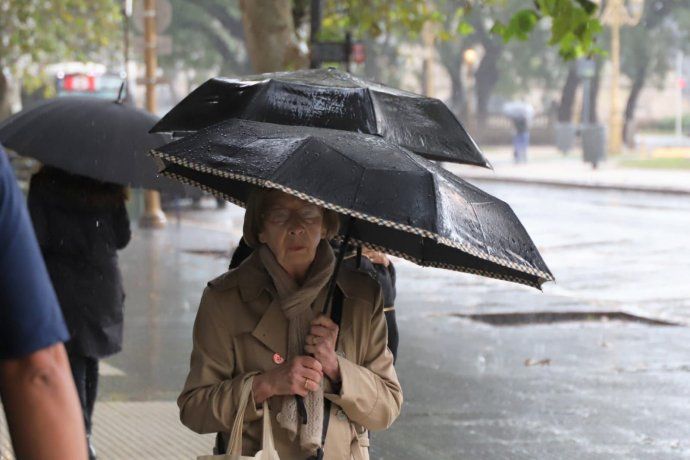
(657, 163)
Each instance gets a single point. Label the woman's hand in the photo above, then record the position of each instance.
(321, 344)
(298, 376)
(376, 257)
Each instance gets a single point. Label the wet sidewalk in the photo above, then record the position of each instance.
(547, 166)
(599, 388)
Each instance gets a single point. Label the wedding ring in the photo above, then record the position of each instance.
(306, 382)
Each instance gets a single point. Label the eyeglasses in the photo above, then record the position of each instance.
(280, 216)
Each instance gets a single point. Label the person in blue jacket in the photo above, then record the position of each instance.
(36, 386)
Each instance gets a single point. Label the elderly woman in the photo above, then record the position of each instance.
(263, 320)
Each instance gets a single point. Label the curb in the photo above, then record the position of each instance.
(583, 185)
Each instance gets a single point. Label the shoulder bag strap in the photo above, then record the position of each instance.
(235, 441)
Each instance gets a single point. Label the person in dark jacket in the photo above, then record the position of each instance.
(80, 224)
(375, 264)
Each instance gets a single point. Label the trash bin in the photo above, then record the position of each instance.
(593, 143)
(565, 136)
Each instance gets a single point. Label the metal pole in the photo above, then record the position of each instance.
(315, 23)
(153, 216)
(679, 97)
(616, 117)
(348, 50)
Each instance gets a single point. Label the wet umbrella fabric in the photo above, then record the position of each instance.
(329, 98)
(397, 201)
(92, 137)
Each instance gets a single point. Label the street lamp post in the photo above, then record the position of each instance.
(616, 14)
(153, 216)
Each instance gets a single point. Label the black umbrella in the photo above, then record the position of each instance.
(329, 98)
(88, 136)
(397, 201)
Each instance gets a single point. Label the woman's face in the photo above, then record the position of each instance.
(292, 229)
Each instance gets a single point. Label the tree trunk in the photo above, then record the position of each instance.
(485, 79)
(451, 59)
(631, 105)
(5, 103)
(565, 108)
(270, 38)
(594, 91)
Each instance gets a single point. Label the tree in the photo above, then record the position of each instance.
(34, 33)
(208, 37)
(270, 35)
(648, 47)
(275, 35)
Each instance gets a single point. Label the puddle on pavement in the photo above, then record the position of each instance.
(549, 317)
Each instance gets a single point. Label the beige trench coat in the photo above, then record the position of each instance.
(237, 331)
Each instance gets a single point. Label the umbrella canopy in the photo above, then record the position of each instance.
(518, 109)
(396, 201)
(329, 98)
(97, 138)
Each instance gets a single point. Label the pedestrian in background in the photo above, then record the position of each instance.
(520, 139)
(80, 224)
(36, 387)
(377, 265)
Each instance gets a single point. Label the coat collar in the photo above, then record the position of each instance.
(271, 330)
(253, 279)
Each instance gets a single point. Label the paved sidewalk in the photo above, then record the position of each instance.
(136, 430)
(547, 166)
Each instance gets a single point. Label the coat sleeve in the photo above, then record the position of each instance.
(370, 394)
(123, 233)
(208, 403)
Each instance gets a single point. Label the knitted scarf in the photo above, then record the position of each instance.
(296, 302)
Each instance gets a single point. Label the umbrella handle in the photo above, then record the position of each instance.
(338, 263)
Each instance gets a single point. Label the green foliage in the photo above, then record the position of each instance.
(206, 36)
(38, 32)
(574, 26)
(374, 18)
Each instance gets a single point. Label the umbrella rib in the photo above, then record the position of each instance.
(351, 212)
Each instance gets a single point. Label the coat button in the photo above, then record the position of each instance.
(341, 415)
(278, 359)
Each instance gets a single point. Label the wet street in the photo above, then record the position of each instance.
(608, 386)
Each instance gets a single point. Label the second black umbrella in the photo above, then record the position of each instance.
(329, 98)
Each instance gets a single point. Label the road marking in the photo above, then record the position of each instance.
(108, 370)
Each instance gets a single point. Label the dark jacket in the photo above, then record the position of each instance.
(80, 224)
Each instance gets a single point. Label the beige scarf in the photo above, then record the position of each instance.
(296, 302)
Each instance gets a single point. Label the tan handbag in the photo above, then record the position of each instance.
(234, 451)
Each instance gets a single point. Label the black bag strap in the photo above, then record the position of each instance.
(336, 316)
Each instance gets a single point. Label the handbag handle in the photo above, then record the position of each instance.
(235, 441)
